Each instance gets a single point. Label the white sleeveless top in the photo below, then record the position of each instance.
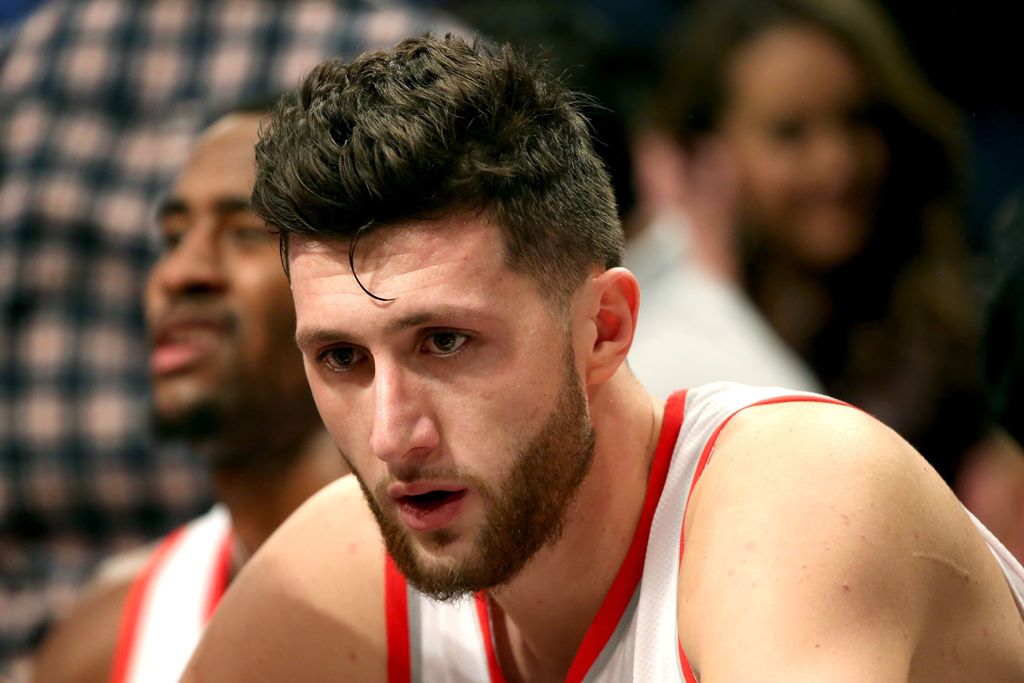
(172, 599)
(433, 642)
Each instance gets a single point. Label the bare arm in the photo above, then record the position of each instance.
(309, 605)
(81, 647)
(820, 546)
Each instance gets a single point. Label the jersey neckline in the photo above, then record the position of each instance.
(615, 602)
(628, 577)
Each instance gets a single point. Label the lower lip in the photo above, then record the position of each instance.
(169, 358)
(432, 517)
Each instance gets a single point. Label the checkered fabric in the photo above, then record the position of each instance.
(100, 102)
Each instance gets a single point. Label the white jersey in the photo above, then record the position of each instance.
(434, 642)
(172, 599)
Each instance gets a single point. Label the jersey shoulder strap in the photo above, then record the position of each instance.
(171, 600)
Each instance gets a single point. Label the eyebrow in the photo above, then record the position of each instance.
(174, 206)
(316, 336)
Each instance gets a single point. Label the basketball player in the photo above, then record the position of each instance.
(226, 378)
(522, 509)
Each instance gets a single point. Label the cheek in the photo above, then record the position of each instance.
(266, 311)
(153, 299)
(770, 180)
(874, 159)
(346, 419)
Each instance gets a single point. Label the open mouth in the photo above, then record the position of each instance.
(431, 501)
(180, 345)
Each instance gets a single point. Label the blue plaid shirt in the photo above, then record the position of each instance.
(100, 102)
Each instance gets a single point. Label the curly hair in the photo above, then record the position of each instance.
(432, 127)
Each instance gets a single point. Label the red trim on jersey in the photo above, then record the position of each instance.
(626, 581)
(705, 456)
(132, 611)
(221, 575)
(396, 617)
(684, 664)
(483, 613)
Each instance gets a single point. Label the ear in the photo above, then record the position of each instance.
(612, 304)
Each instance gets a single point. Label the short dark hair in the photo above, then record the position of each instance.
(436, 126)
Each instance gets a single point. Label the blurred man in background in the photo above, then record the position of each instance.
(100, 104)
(228, 379)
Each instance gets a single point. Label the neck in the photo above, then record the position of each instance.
(260, 498)
(538, 637)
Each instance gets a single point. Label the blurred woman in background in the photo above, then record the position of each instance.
(840, 185)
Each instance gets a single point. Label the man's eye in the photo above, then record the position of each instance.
(171, 238)
(444, 343)
(252, 235)
(342, 358)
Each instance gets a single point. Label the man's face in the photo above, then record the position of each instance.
(458, 403)
(218, 303)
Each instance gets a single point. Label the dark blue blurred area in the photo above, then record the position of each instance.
(13, 10)
(970, 51)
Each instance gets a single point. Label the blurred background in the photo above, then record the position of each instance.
(100, 101)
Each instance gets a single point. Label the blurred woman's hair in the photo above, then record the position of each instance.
(916, 121)
(908, 287)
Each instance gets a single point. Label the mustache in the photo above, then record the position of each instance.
(411, 474)
(408, 474)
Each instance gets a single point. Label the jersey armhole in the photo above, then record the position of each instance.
(133, 606)
(221, 575)
(705, 456)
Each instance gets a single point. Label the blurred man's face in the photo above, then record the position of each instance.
(218, 303)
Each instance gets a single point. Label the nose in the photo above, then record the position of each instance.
(836, 159)
(404, 429)
(194, 265)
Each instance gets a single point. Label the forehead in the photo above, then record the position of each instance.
(393, 258)
(794, 65)
(223, 161)
(453, 261)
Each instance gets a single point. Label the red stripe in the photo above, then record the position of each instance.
(396, 617)
(685, 666)
(705, 456)
(128, 628)
(483, 613)
(628, 578)
(221, 575)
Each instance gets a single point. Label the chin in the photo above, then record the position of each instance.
(445, 545)
(191, 421)
(178, 393)
(832, 244)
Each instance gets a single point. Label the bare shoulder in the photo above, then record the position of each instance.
(309, 605)
(81, 646)
(818, 538)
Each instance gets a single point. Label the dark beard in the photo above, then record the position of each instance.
(233, 437)
(525, 515)
(200, 422)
